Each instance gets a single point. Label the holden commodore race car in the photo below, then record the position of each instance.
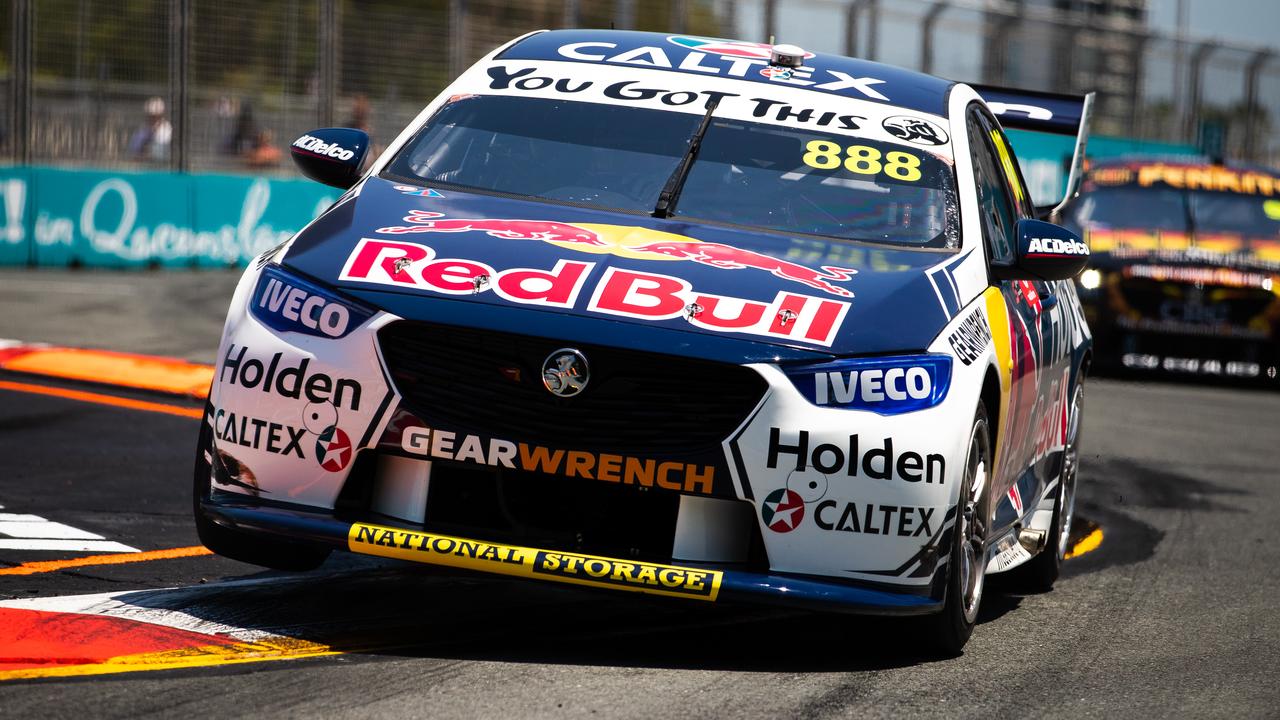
(705, 319)
(1186, 275)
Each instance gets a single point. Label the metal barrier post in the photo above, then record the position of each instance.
(873, 29)
(851, 27)
(995, 63)
(458, 37)
(679, 11)
(624, 14)
(179, 76)
(1140, 42)
(1195, 82)
(926, 35)
(571, 13)
(327, 60)
(770, 19)
(20, 87)
(1251, 107)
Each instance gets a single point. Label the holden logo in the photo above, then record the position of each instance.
(782, 510)
(565, 372)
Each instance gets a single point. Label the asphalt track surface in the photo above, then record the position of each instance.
(1174, 614)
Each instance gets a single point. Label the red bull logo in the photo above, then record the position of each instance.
(637, 243)
(623, 293)
(731, 48)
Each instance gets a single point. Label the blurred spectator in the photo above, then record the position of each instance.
(151, 140)
(359, 118)
(264, 153)
(244, 137)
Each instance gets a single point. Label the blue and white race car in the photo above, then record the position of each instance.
(700, 318)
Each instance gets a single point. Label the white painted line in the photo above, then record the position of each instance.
(65, 545)
(41, 528)
(20, 531)
(117, 604)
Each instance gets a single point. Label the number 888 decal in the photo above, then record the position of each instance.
(862, 160)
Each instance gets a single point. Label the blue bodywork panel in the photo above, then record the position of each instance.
(888, 302)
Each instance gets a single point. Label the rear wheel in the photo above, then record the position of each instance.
(251, 548)
(1041, 572)
(966, 574)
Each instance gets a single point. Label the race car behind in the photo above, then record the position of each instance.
(1185, 274)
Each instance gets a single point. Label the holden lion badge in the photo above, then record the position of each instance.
(565, 372)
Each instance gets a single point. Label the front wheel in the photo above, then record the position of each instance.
(966, 574)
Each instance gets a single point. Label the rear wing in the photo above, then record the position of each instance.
(1046, 112)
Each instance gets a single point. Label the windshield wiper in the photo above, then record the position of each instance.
(671, 191)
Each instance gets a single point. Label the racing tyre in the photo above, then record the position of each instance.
(251, 548)
(966, 571)
(1041, 572)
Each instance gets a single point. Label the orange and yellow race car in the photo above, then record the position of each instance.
(1185, 271)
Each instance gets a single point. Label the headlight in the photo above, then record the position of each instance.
(1090, 279)
(885, 385)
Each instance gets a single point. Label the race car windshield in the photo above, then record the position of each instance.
(1207, 214)
(1227, 213)
(1131, 208)
(620, 158)
(839, 186)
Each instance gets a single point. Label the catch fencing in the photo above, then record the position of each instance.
(223, 85)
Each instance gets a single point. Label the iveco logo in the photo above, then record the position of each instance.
(565, 372)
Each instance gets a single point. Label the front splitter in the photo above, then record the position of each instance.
(705, 583)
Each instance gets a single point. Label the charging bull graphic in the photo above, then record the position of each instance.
(547, 231)
(728, 257)
(581, 237)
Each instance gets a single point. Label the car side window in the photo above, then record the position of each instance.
(1015, 188)
(1009, 165)
(995, 203)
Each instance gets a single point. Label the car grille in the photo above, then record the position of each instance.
(1190, 310)
(550, 512)
(490, 383)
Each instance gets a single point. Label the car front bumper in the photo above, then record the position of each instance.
(701, 582)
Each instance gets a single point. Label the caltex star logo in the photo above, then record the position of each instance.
(333, 449)
(731, 48)
(782, 510)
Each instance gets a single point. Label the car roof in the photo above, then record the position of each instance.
(739, 60)
(1182, 173)
(1196, 162)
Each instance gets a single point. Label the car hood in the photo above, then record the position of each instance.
(463, 258)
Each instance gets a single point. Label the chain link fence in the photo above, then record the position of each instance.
(226, 84)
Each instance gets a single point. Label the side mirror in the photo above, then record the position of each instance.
(332, 156)
(1045, 252)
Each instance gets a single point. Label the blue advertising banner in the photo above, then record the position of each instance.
(56, 217)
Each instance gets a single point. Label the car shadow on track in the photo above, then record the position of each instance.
(384, 609)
